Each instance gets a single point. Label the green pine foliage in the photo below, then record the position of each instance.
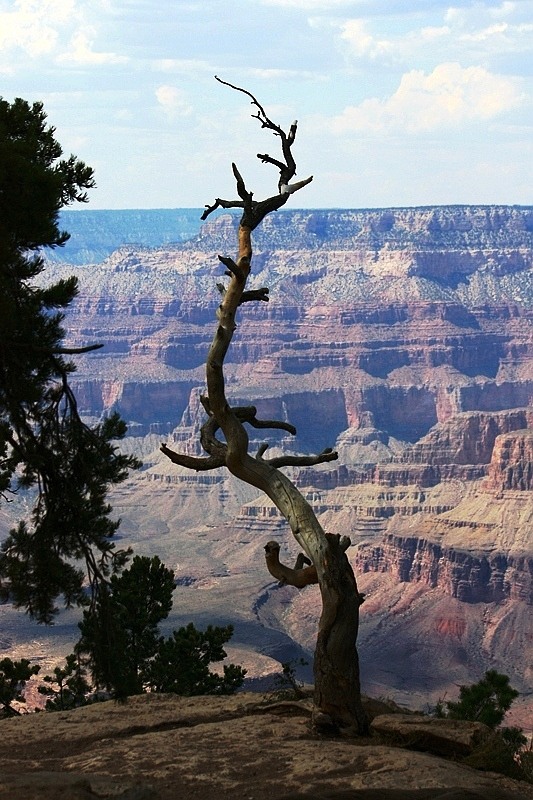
(181, 664)
(45, 447)
(13, 678)
(68, 687)
(120, 634)
(486, 701)
(127, 655)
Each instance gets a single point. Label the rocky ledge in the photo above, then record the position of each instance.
(161, 747)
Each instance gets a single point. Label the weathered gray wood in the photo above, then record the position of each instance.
(337, 689)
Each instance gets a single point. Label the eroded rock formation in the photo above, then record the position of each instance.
(511, 464)
(471, 578)
(408, 332)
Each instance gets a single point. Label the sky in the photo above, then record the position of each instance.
(398, 102)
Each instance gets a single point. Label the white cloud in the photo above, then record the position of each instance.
(504, 10)
(475, 33)
(81, 53)
(433, 33)
(305, 59)
(34, 26)
(173, 100)
(486, 33)
(479, 14)
(361, 42)
(448, 97)
(501, 36)
(54, 28)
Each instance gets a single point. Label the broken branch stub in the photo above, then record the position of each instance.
(299, 576)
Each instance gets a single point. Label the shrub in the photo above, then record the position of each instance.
(68, 686)
(13, 678)
(486, 701)
(126, 654)
(181, 664)
(287, 686)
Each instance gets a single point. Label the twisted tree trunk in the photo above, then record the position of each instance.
(337, 687)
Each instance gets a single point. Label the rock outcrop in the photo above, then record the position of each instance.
(161, 747)
(446, 737)
(511, 465)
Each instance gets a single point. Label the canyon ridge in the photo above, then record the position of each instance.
(402, 338)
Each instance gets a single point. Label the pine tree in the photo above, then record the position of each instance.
(121, 633)
(126, 653)
(45, 446)
(182, 661)
(67, 687)
(486, 701)
(13, 678)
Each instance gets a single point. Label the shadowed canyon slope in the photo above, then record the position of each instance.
(403, 338)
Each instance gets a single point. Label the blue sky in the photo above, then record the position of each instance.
(399, 103)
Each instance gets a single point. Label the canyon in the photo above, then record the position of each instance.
(402, 338)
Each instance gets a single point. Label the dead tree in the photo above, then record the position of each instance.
(337, 689)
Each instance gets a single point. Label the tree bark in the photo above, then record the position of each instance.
(336, 663)
(337, 684)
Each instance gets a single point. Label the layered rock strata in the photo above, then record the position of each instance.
(482, 578)
(403, 338)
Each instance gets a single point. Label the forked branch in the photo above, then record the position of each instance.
(255, 211)
(298, 576)
(198, 464)
(216, 449)
(287, 168)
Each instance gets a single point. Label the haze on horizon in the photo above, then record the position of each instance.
(399, 104)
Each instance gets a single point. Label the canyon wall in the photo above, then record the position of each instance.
(401, 337)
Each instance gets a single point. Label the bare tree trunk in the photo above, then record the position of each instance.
(336, 664)
(337, 687)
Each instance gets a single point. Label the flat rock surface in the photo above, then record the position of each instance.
(160, 747)
(447, 737)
